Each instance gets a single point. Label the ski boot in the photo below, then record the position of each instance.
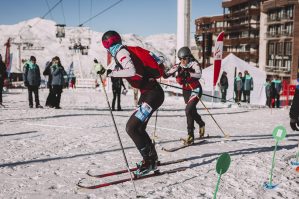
(190, 138)
(201, 129)
(149, 162)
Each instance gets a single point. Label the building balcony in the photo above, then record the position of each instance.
(278, 69)
(243, 13)
(242, 40)
(274, 4)
(278, 20)
(246, 55)
(278, 35)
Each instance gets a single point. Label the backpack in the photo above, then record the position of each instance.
(148, 60)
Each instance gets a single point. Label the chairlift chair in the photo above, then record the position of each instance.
(60, 30)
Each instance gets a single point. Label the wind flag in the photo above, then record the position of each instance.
(218, 57)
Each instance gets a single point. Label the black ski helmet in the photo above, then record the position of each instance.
(110, 38)
(184, 52)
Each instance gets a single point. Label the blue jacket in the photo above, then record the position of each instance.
(31, 74)
(57, 74)
(248, 83)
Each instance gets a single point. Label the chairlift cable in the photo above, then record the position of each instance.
(49, 9)
(79, 11)
(106, 9)
(62, 8)
(90, 24)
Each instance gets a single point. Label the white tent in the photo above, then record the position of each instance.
(229, 63)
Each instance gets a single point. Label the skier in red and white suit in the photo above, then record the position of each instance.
(188, 75)
(130, 67)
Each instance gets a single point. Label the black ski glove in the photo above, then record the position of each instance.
(294, 123)
(103, 71)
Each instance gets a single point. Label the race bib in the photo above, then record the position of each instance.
(143, 112)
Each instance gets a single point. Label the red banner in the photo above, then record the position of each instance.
(7, 54)
(218, 57)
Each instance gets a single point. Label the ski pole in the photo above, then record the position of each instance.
(225, 135)
(154, 134)
(194, 91)
(117, 133)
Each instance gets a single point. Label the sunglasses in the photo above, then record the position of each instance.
(182, 58)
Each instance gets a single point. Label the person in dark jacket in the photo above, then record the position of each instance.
(57, 76)
(247, 86)
(47, 72)
(223, 86)
(278, 87)
(2, 77)
(268, 92)
(117, 84)
(32, 81)
(294, 111)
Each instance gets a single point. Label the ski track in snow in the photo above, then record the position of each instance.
(44, 152)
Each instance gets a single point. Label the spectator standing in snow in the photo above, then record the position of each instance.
(247, 86)
(268, 92)
(57, 75)
(32, 81)
(47, 72)
(97, 67)
(223, 86)
(117, 84)
(278, 87)
(2, 77)
(238, 85)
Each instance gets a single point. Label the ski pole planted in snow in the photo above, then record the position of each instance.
(118, 136)
(225, 134)
(279, 133)
(297, 159)
(222, 166)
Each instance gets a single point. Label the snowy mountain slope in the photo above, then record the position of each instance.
(42, 33)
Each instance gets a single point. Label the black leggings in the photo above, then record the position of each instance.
(190, 110)
(135, 127)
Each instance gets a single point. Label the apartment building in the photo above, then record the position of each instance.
(242, 19)
(279, 38)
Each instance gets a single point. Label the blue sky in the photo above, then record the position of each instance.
(141, 17)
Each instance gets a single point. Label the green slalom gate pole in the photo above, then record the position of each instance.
(279, 133)
(222, 166)
(217, 185)
(273, 162)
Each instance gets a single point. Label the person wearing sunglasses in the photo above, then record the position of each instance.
(188, 75)
(131, 67)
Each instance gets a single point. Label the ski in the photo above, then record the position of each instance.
(156, 173)
(183, 146)
(133, 169)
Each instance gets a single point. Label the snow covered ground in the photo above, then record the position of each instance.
(44, 152)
